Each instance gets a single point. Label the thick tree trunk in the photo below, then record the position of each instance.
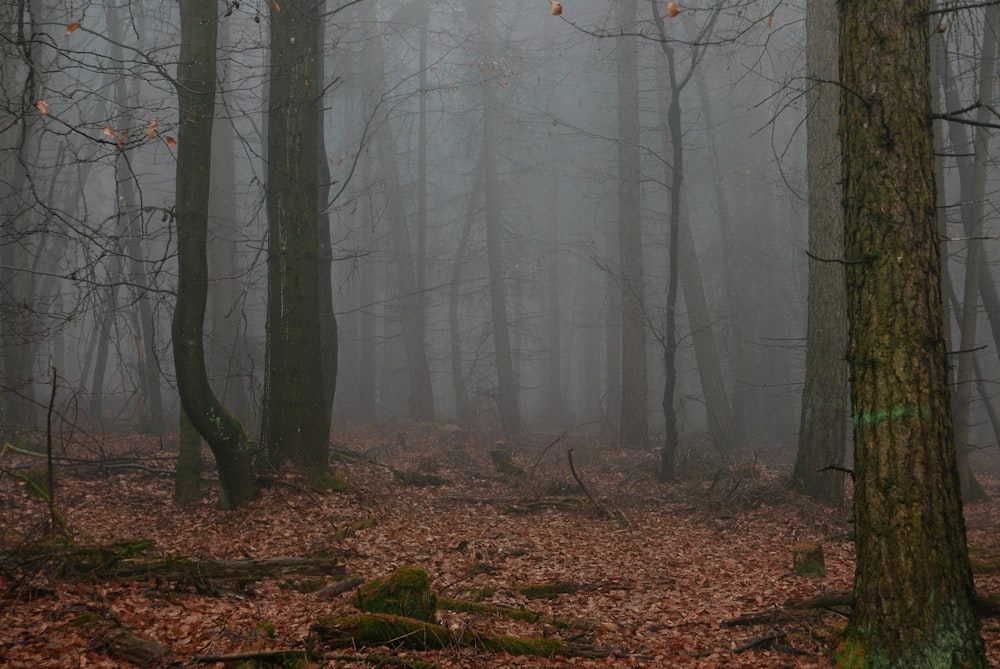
(296, 417)
(196, 103)
(913, 584)
(823, 424)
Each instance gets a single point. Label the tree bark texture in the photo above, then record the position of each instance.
(196, 105)
(823, 423)
(296, 418)
(913, 584)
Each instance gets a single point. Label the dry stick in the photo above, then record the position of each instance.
(601, 509)
(544, 451)
(54, 519)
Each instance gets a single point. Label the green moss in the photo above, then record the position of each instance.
(377, 629)
(132, 547)
(503, 460)
(483, 593)
(85, 619)
(520, 645)
(321, 479)
(404, 592)
(354, 528)
(546, 590)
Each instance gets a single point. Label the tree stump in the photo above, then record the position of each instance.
(807, 558)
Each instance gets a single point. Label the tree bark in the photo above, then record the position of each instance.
(823, 425)
(913, 584)
(296, 417)
(196, 103)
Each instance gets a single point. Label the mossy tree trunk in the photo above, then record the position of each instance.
(913, 586)
(296, 417)
(196, 104)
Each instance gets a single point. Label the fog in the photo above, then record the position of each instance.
(440, 120)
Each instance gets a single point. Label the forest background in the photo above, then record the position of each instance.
(517, 219)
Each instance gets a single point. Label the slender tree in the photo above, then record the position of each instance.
(823, 424)
(196, 79)
(913, 586)
(633, 430)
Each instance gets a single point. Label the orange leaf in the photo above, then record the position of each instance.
(769, 19)
(673, 9)
(43, 107)
(70, 27)
(274, 3)
(556, 7)
(150, 127)
(109, 131)
(171, 142)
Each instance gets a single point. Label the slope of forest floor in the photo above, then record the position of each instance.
(645, 574)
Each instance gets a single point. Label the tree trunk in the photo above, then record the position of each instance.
(296, 417)
(196, 103)
(972, 217)
(187, 478)
(913, 584)
(510, 412)
(329, 336)
(633, 430)
(736, 327)
(462, 408)
(822, 427)
(231, 370)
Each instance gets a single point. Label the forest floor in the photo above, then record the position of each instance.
(651, 575)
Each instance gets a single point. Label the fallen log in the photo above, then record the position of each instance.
(120, 643)
(128, 560)
(381, 629)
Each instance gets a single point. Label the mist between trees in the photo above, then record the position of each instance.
(521, 219)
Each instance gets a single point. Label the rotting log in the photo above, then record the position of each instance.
(127, 560)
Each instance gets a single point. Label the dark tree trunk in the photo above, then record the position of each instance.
(196, 104)
(296, 416)
(633, 430)
(913, 584)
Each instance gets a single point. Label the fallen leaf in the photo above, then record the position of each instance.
(673, 9)
(43, 107)
(171, 142)
(556, 7)
(70, 27)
